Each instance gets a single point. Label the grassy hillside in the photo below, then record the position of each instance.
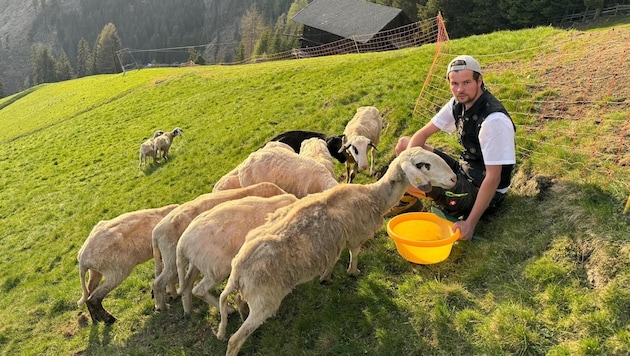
(550, 273)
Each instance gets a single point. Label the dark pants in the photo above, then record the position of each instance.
(459, 200)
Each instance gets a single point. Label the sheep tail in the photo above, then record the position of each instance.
(82, 272)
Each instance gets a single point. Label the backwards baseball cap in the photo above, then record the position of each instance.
(463, 62)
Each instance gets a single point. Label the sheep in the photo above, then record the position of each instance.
(362, 132)
(306, 238)
(113, 248)
(293, 173)
(163, 143)
(168, 231)
(230, 180)
(295, 138)
(147, 149)
(213, 238)
(316, 149)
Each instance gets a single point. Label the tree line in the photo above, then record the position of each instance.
(265, 28)
(101, 59)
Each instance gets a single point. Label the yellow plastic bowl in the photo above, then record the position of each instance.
(422, 238)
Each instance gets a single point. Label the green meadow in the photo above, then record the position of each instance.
(549, 274)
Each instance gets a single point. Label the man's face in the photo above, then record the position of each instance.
(464, 87)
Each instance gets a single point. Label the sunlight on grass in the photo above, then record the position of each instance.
(548, 275)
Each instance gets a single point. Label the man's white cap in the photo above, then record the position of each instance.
(463, 62)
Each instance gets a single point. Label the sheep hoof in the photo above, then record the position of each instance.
(109, 319)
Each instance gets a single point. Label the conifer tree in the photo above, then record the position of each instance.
(105, 59)
(43, 64)
(63, 68)
(85, 64)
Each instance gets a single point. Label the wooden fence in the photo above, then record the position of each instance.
(590, 15)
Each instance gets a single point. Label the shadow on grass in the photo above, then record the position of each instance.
(395, 307)
(152, 167)
(349, 316)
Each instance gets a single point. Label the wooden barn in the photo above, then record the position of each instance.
(327, 21)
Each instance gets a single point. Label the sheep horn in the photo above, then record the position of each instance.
(374, 147)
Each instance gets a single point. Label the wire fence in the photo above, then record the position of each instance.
(570, 102)
(412, 35)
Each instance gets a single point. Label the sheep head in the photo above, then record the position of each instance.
(357, 148)
(177, 132)
(425, 169)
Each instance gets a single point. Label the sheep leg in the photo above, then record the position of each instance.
(95, 280)
(164, 280)
(243, 307)
(98, 313)
(354, 261)
(223, 308)
(202, 289)
(186, 287)
(264, 309)
(325, 277)
(372, 162)
(95, 302)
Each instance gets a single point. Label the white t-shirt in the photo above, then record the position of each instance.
(496, 135)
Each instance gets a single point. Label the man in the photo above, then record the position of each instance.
(486, 131)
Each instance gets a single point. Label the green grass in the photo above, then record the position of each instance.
(550, 276)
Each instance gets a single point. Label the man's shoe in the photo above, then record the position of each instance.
(407, 203)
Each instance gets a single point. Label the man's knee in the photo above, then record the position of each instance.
(401, 145)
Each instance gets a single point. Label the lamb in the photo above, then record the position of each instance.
(316, 149)
(112, 250)
(231, 181)
(147, 149)
(213, 238)
(168, 231)
(362, 132)
(306, 238)
(164, 142)
(295, 138)
(293, 173)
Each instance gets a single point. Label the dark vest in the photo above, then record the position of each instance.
(468, 123)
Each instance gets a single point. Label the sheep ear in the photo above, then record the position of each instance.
(374, 147)
(415, 176)
(344, 148)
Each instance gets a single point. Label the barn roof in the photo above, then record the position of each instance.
(346, 18)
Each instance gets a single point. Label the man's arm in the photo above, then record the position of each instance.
(421, 136)
(484, 196)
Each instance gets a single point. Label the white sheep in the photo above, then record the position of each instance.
(317, 149)
(362, 132)
(293, 173)
(168, 231)
(163, 143)
(111, 251)
(213, 238)
(231, 181)
(305, 239)
(147, 149)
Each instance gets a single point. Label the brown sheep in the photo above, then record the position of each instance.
(305, 239)
(111, 251)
